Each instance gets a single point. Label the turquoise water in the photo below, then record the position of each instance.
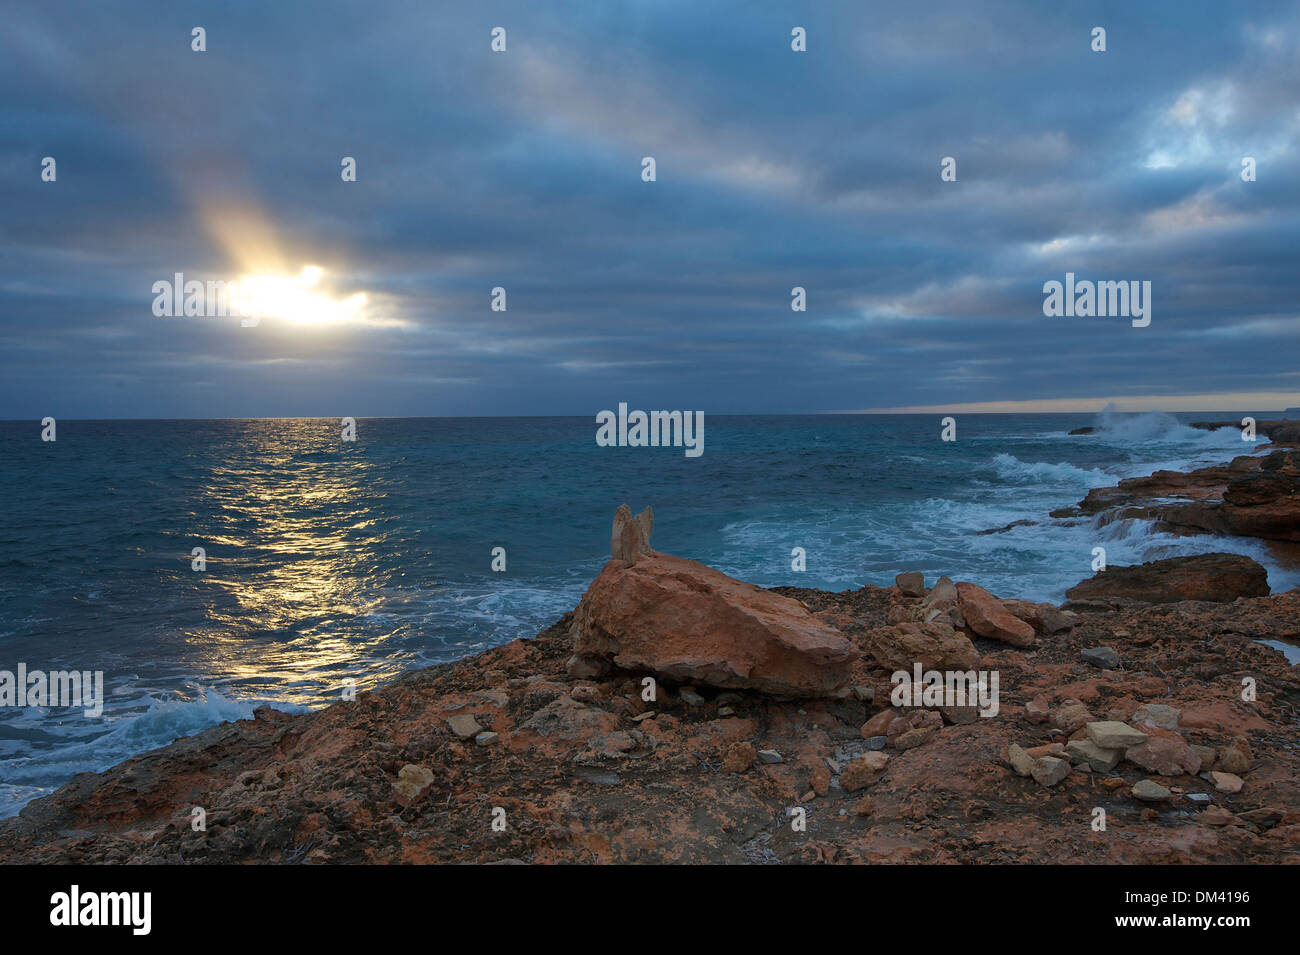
(329, 560)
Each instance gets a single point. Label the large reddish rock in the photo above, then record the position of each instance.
(684, 621)
(985, 615)
(1220, 578)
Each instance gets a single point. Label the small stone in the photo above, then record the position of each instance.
(1071, 715)
(863, 771)
(864, 694)
(690, 697)
(1047, 749)
(1227, 782)
(1148, 790)
(1103, 657)
(960, 715)
(739, 758)
(1048, 770)
(1086, 752)
(911, 584)
(1020, 761)
(412, 784)
(1235, 758)
(1038, 709)
(809, 796)
(1217, 816)
(878, 725)
(1157, 715)
(486, 738)
(1110, 734)
(584, 668)
(648, 714)
(820, 780)
(769, 756)
(1265, 817)
(464, 726)
(726, 711)
(864, 807)
(1201, 799)
(1165, 757)
(917, 736)
(876, 742)
(1207, 755)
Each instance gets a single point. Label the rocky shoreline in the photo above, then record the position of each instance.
(678, 715)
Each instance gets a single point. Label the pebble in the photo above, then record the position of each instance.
(1020, 761)
(1049, 770)
(769, 756)
(464, 726)
(690, 697)
(1227, 782)
(1158, 715)
(1103, 657)
(1148, 790)
(486, 738)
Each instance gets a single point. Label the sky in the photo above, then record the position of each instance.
(522, 170)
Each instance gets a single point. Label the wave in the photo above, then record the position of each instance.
(1011, 468)
(80, 749)
(1157, 427)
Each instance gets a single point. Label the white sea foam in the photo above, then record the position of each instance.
(140, 725)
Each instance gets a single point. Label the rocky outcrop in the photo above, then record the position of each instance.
(1220, 578)
(588, 770)
(1252, 496)
(680, 620)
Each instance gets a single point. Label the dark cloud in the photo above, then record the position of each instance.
(522, 170)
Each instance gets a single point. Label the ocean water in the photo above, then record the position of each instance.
(329, 560)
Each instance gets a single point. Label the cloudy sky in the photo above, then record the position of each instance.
(522, 169)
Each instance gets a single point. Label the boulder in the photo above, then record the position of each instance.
(986, 616)
(686, 622)
(1220, 578)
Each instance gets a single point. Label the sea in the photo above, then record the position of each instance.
(429, 539)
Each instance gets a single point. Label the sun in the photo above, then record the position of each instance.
(296, 299)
